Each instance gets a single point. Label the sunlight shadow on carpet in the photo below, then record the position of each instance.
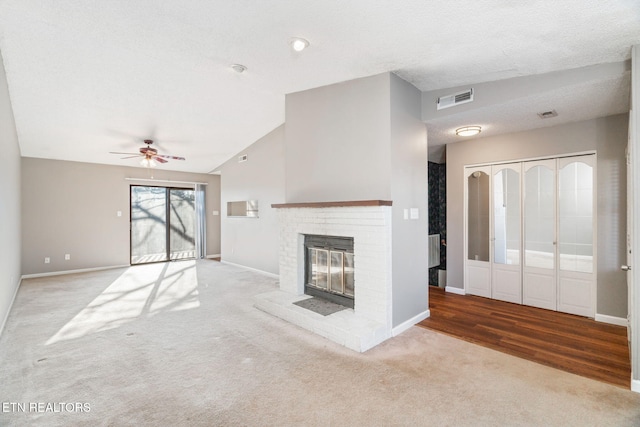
(141, 291)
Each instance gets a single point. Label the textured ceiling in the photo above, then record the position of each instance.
(86, 78)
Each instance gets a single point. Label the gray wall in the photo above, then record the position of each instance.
(606, 135)
(70, 207)
(337, 142)
(409, 187)
(253, 242)
(360, 140)
(9, 202)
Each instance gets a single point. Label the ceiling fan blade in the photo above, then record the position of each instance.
(158, 159)
(170, 157)
(117, 152)
(130, 157)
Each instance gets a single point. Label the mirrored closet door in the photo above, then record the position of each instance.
(539, 273)
(506, 283)
(478, 225)
(576, 239)
(530, 233)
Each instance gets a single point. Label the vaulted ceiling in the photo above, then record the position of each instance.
(87, 78)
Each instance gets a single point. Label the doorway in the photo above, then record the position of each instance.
(163, 224)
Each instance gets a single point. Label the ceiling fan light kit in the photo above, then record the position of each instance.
(150, 156)
(148, 163)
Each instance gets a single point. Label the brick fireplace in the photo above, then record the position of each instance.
(368, 223)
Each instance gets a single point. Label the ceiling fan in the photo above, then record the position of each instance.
(149, 155)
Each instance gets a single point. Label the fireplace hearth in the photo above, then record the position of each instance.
(329, 268)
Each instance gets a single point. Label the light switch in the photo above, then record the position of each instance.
(405, 213)
(415, 213)
(67, 257)
(216, 213)
(119, 213)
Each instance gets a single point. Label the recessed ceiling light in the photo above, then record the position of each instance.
(299, 44)
(468, 130)
(238, 68)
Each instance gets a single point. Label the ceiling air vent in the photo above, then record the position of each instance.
(455, 99)
(548, 114)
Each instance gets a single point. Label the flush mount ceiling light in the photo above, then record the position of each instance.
(468, 130)
(238, 68)
(299, 44)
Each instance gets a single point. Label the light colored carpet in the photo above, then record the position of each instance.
(181, 344)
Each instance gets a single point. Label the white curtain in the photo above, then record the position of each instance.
(201, 223)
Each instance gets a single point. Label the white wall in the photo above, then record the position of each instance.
(253, 242)
(634, 141)
(10, 223)
(70, 208)
(608, 136)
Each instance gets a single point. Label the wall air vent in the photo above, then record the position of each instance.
(242, 158)
(455, 99)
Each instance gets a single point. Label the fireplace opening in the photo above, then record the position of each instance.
(329, 271)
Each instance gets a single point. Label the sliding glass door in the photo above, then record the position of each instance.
(162, 224)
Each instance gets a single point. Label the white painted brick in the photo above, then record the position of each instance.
(371, 229)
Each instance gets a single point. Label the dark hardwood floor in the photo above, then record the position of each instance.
(572, 343)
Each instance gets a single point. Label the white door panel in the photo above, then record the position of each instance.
(506, 280)
(575, 295)
(506, 285)
(539, 209)
(478, 279)
(539, 289)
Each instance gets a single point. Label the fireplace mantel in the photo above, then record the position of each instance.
(333, 204)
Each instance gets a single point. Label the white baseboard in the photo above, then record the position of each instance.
(635, 385)
(6, 316)
(213, 256)
(409, 323)
(620, 321)
(455, 290)
(266, 273)
(81, 270)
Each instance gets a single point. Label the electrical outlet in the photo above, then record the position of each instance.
(67, 257)
(47, 260)
(216, 213)
(119, 213)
